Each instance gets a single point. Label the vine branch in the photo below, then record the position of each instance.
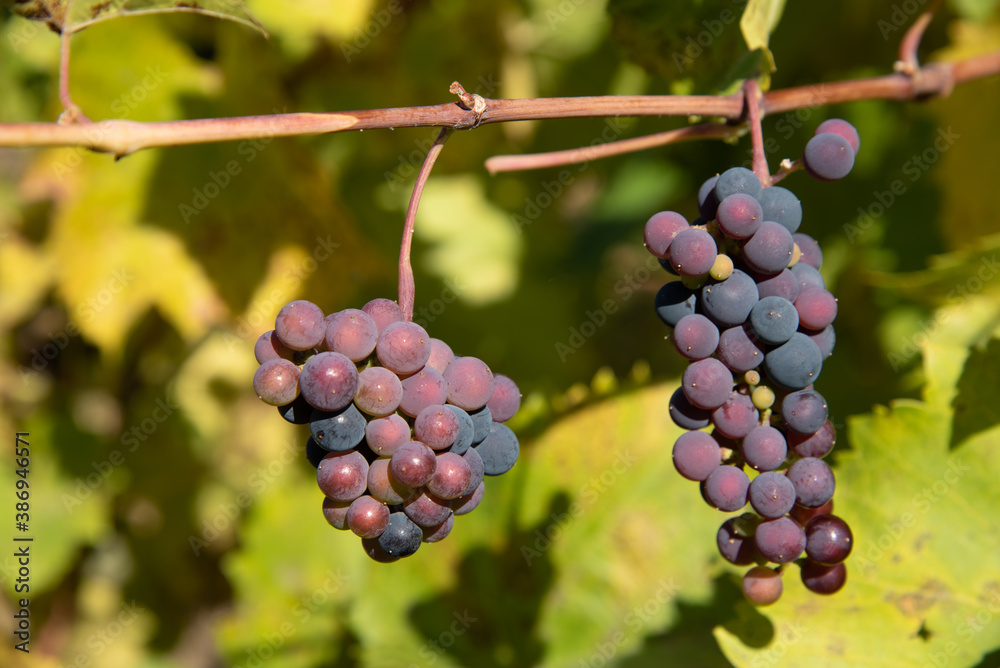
(751, 90)
(122, 137)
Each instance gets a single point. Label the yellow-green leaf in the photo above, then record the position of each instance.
(759, 20)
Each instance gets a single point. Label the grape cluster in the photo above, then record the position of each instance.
(753, 316)
(402, 431)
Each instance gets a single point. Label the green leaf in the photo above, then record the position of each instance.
(75, 16)
(759, 20)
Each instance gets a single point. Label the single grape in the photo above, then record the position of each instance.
(441, 355)
(764, 448)
(722, 268)
(804, 411)
(384, 312)
(413, 464)
(470, 383)
(769, 250)
(707, 383)
(762, 397)
(387, 433)
(506, 398)
(814, 481)
(762, 585)
(343, 476)
(828, 539)
(499, 450)
(451, 476)
(771, 494)
(817, 308)
(401, 537)
(738, 351)
(728, 302)
(300, 325)
(843, 128)
(403, 347)
(707, 203)
(794, 364)
(696, 337)
(367, 517)
(464, 505)
(824, 339)
(816, 444)
(685, 414)
(736, 417)
(335, 512)
(737, 180)
(773, 320)
(427, 510)
(812, 254)
(735, 540)
(661, 229)
(692, 252)
(379, 391)
(780, 540)
(781, 206)
(466, 431)
(828, 157)
(807, 276)
(277, 382)
(803, 515)
(269, 347)
(696, 454)
(297, 412)
(783, 284)
(739, 216)
(821, 579)
(329, 381)
(351, 332)
(384, 487)
(674, 301)
(726, 488)
(436, 427)
(422, 389)
(439, 532)
(752, 378)
(338, 431)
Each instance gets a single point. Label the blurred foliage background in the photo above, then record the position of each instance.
(176, 520)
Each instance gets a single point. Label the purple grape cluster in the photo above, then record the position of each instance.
(752, 315)
(402, 430)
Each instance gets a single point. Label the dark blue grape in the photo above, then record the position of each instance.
(482, 421)
(782, 206)
(794, 364)
(685, 414)
(707, 203)
(499, 450)
(804, 411)
(728, 302)
(737, 180)
(466, 431)
(401, 537)
(340, 430)
(774, 320)
(828, 157)
(807, 275)
(297, 412)
(674, 301)
(734, 545)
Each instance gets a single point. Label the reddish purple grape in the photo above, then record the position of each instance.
(764, 448)
(783, 284)
(828, 539)
(824, 339)
(403, 347)
(726, 488)
(739, 216)
(386, 434)
(736, 417)
(436, 427)
(821, 579)
(343, 476)
(762, 585)
(367, 517)
(696, 454)
(738, 351)
(770, 249)
(693, 252)
(817, 308)
(427, 510)
(707, 383)
(844, 129)
(817, 444)
(451, 476)
(424, 388)
(384, 487)
(812, 255)
(467, 503)
(277, 382)
(736, 548)
(828, 157)
(300, 325)
(661, 229)
(269, 347)
(335, 512)
(384, 312)
(814, 481)
(696, 337)
(413, 464)
(379, 391)
(780, 540)
(439, 532)
(329, 381)
(802, 515)
(506, 398)
(441, 355)
(470, 383)
(351, 332)
(771, 494)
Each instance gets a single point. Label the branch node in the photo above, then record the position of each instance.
(471, 101)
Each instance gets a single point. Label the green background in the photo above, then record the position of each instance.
(176, 521)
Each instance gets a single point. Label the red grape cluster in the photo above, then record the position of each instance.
(403, 431)
(752, 314)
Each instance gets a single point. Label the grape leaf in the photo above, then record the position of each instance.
(73, 16)
(758, 22)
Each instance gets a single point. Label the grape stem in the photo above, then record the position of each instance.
(751, 93)
(71, 112)
(407, 286)
(908, 62)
